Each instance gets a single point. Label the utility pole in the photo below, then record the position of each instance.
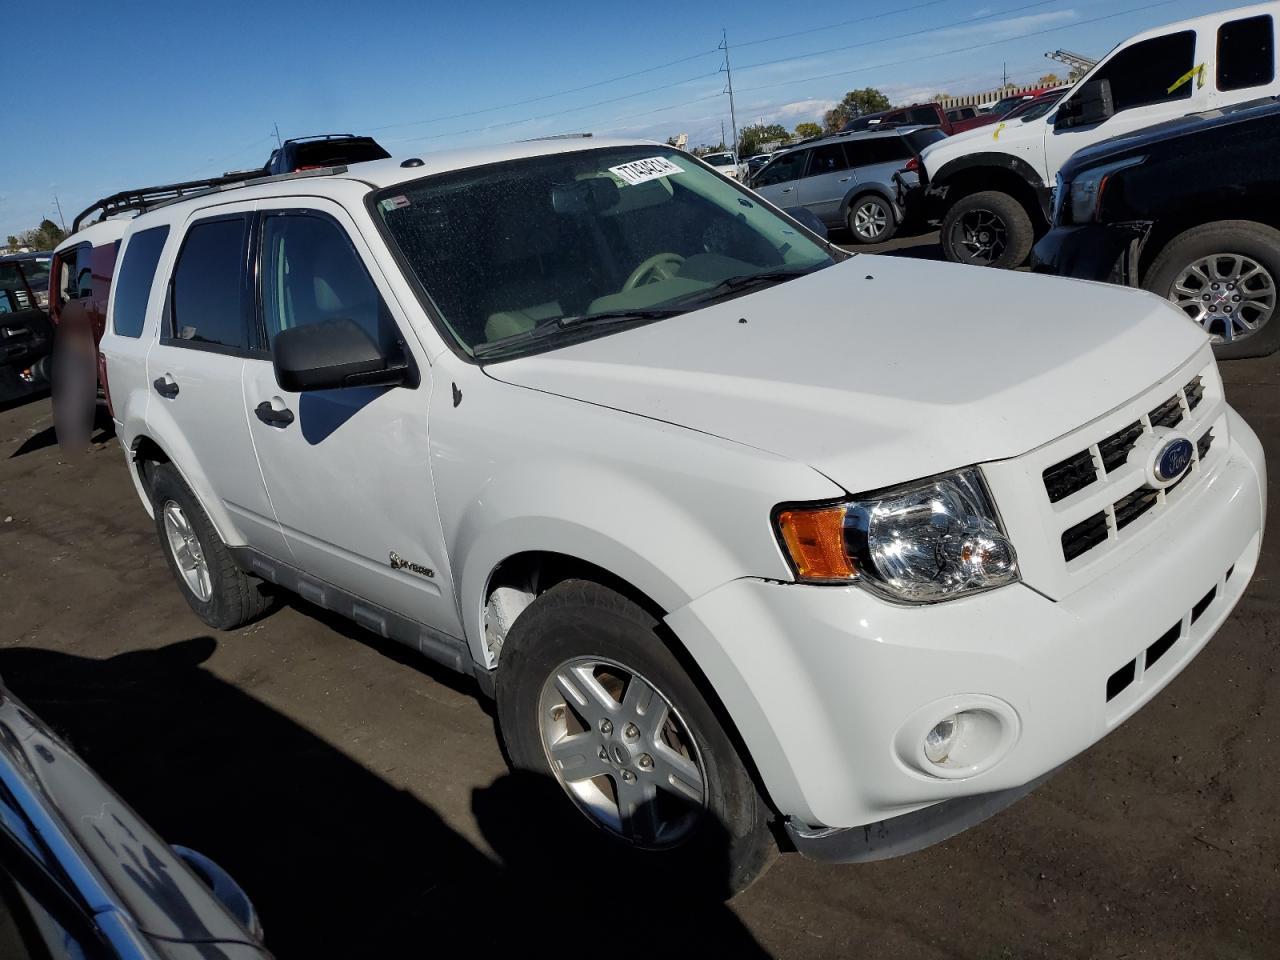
(1005, 80)
(722, 133)
(60, 217)
(279, 142)
(733, 116)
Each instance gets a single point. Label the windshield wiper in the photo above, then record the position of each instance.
(743, 283)
(549, 328)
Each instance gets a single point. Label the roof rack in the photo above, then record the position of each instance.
(322, 136)
(142, 199)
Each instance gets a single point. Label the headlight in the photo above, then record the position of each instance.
(1087, 188)
(928, 541)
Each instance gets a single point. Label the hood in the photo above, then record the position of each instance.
(998, 136)
(1210, 125)
(880, 370)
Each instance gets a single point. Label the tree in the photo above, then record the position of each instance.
(750, 138)
(1050, 80)
(808, 129)
(856, 103)
(44, 237)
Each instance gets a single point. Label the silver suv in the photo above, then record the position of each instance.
(847, 179)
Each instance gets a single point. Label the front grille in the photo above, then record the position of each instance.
(1103, 461)
(1084, 536)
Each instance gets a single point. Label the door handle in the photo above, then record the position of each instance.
(845, 179)
(166, 387)
(787, 189)
(271, 416)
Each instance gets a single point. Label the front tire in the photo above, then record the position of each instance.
(217, 590)
(871, 220)
(1224, 276)
(987, 229)
(590, 697)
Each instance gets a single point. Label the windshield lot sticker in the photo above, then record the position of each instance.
(641, 171)
(393, 203)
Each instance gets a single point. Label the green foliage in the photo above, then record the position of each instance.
(808, 129)
(750, 138)
(44, 237)
(856, 103)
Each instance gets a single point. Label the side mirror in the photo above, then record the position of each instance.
(807, 218)
(332, 355)
(1091, 105)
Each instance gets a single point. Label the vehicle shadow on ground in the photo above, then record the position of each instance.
(339, 862)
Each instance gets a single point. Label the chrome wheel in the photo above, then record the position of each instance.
(621, 751)
(870, 220)
(186, 550)
(979, 236)
(1228, 294)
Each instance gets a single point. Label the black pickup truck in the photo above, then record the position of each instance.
(1189, 210)
(26, 338)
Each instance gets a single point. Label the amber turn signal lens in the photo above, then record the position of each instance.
(815, 540)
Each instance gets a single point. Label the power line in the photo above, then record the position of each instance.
(964, 49)
(842, 23)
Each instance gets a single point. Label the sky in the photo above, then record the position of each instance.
(127, 93)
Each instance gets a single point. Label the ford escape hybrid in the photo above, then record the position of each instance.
(751, 539)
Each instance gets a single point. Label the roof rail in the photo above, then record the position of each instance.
(142, 199)
(322, 136)
(560, 136)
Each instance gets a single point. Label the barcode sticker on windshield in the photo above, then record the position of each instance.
(640, 171)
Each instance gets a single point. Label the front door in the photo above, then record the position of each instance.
(777, 181)
(194, 372)
(348, 470)
(1152, 81)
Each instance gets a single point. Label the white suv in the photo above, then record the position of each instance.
(741, 531)
(990, 188)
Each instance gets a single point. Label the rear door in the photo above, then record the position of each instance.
(1153, 80)
(826, 181)
(777, 181)
(194, 372)
(348, 471)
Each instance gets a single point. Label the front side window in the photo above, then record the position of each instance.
(782, 169)
(1158, 70)
(133, 284)
(311, 273)
(1246, 53)
(529, 254)
(207, 305)
(828, 158)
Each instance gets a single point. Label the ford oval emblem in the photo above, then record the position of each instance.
(1173, 459)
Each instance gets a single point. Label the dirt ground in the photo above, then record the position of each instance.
(359, 794)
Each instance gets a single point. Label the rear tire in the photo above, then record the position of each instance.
(579, 630)
(987, 229)
(217, 590)
(871, 219)
(1225, 248)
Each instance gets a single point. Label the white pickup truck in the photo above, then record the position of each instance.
(990, 188)
(752, 539)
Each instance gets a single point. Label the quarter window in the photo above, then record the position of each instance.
(133, 285)
(1246, 53)
(208, 286)
(311, 273)
(1153, 71)
(782, 169)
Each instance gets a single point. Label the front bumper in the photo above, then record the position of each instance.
(1093, 251)
(823, 682)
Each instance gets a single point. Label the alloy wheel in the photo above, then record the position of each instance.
(187, 552)
(870, 220)
(980, 236)
(622, 752)
(1229, 294)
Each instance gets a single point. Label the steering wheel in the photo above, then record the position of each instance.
(661, 266)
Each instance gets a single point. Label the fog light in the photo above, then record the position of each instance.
(939, 741)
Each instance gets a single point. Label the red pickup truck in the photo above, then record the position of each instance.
(951, 121)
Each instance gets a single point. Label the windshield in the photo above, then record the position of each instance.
(548, 243)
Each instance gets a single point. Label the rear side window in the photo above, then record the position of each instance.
(1153, 71)
(922, 115)
(311, 273)
(207, 307)
(827, 159)
(133, 283)
(1246, 53)
(880, 150)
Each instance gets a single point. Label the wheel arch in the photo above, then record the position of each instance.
(1202, 211)
(858, 191)
(976, 172)
(147, 449)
